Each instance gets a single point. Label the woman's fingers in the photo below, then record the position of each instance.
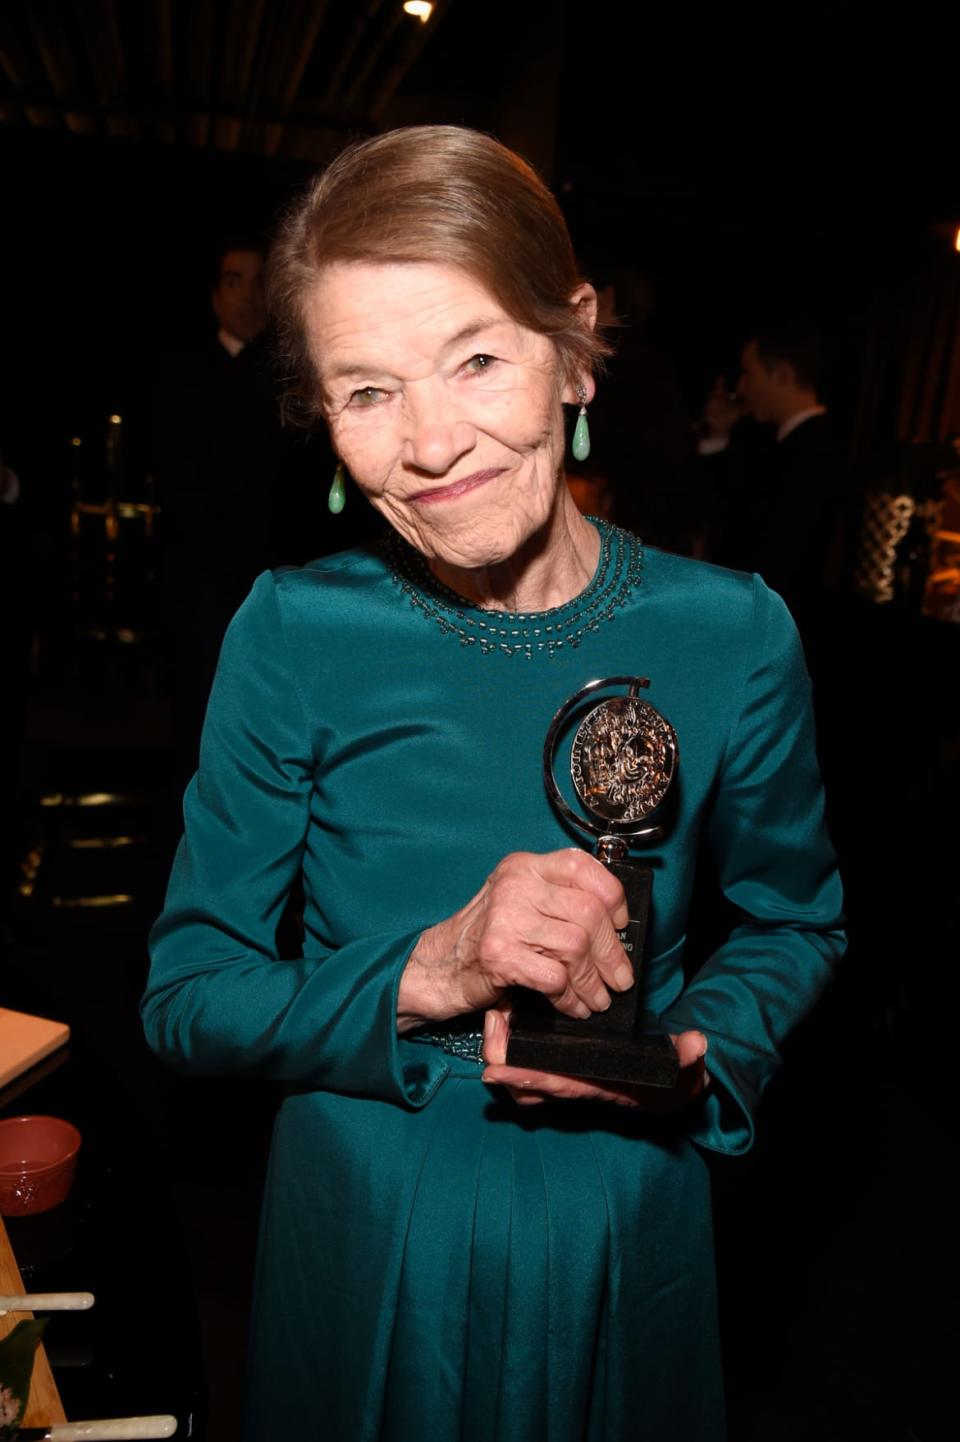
(532, 1088)
(549, 941)
(691, 1049)
(580, 871)
(543, 921)
(600, 960)
(528, 1087)
(690, 1046)
(558, 908)
(503, 954)
(496, 1034)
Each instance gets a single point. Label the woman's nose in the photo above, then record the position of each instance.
(437, 435)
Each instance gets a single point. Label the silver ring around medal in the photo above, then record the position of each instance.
(623, 759)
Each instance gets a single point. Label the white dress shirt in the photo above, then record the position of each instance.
(230, 342)
(791, 425)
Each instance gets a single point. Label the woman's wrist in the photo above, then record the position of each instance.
(426, 992)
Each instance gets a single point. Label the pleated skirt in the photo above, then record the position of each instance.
(480, 1272)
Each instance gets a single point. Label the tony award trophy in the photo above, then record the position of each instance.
(623, 759)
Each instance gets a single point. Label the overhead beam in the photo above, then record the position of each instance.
(105, 50)
(325, 132)
(281, 67)
(201, 29)
(414, 43)
(55, 51)
(331, 95)
(164, 84)
(371, 57)
(240, 41)
(24, 74)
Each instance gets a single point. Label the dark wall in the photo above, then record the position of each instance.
(107, 253)
(107, 247)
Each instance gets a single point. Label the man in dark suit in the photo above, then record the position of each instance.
(238, 491)
(776, 473)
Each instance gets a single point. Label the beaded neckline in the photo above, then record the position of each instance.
(523, 633)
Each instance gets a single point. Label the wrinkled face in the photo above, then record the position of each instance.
(757, 387)
(446, 411)
(238, 300)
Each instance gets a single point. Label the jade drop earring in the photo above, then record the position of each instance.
(581, 434)
(337, 498)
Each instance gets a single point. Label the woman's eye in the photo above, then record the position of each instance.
(367, 396)
(479, 363)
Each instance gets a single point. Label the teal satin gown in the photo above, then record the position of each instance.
(436, 1263)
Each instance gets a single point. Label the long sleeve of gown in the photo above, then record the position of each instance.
(777, 867)
(218, 998)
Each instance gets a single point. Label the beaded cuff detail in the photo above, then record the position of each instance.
(468, 1045)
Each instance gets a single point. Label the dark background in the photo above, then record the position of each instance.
(742, 162)
(743, 166)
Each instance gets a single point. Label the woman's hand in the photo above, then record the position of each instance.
(532, 1088)
(548, 922)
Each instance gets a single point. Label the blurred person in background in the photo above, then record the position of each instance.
(641, 471)
(780, 495)
(238, 491)
(237, 298)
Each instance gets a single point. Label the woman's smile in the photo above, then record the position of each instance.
(458, 488)
(433, 394)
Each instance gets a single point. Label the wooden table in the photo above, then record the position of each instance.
(44, 1406)
(26, 1040)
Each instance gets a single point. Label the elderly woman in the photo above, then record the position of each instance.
(452, 1248)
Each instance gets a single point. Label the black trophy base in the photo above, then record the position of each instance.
(647, 1058)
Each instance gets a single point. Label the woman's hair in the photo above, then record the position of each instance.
(436, 193)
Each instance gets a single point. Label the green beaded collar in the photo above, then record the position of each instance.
(528, 633)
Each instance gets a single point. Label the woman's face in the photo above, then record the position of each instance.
(445, 411)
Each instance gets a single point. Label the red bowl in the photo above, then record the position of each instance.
(38, 1157)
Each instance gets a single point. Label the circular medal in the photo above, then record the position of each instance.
(623, 759)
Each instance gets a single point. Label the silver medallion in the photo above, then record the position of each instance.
(623, 759)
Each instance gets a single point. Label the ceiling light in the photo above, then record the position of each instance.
(422, 9)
